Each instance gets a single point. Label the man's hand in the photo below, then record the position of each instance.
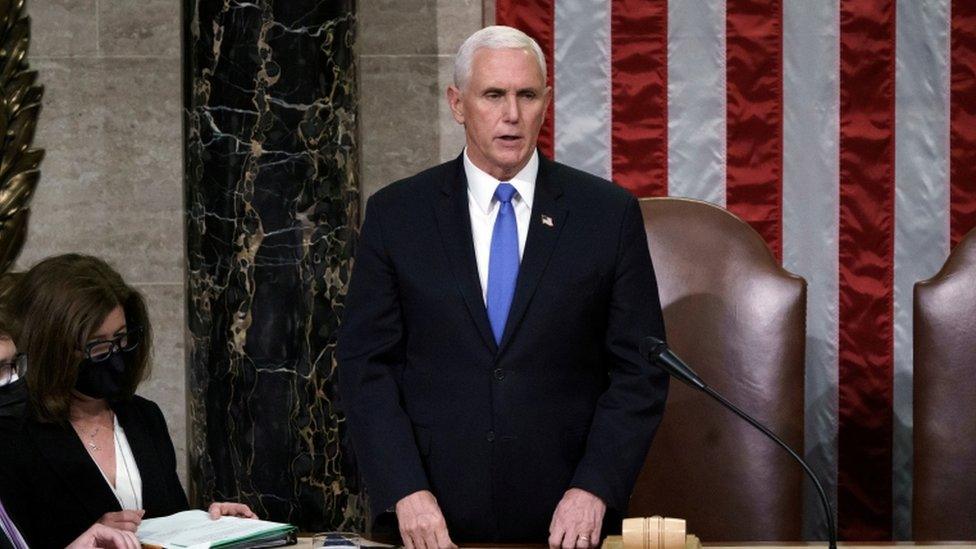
(577, 520)
(422, 525)
(100, 536)
(228, 509)
(123, 520)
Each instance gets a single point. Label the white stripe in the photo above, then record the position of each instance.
(811, 127)
(696, 99)
(582, 85)
(921, 204)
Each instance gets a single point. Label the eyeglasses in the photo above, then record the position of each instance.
(13, 369)
(100, 350)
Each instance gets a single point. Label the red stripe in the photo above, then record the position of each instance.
(535, 18)
(639, 73)
(754, 138)
(962, 126)
(867, 215)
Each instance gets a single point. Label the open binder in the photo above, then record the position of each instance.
(196, 530)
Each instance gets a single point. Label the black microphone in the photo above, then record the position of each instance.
(657, 352)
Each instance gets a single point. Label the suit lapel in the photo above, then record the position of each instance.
(545, 224)
(454, 223)
(66, 454)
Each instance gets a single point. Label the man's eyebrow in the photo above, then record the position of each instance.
(493, 89)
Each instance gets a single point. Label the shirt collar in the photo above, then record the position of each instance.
(481, 186)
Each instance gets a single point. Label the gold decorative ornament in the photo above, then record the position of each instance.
(20, 103)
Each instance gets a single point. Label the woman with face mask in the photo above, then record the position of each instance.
(13, 394)
(87, 448)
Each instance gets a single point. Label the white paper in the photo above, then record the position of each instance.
(196, 530)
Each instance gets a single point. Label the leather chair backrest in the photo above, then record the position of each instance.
(944, 496)
(735, 316)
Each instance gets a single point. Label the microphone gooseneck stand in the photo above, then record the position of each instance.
(657, 352)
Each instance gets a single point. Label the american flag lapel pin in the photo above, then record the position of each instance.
(547, 221)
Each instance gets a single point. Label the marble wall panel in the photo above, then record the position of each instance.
(417, 27)
(272, 210)
(450, 134)
(406, 125)
(145, 27)
(399, 117)
(167, 383)
(398, 27)
(456, 20)
(110, 179)
(63, 28)
(487, 12)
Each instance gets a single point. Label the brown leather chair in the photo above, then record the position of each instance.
(944, 501)
(739, 319)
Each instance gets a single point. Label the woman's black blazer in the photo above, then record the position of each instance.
(54, 491)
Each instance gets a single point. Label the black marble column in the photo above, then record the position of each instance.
(272, 204)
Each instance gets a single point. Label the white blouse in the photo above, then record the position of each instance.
(128, 482)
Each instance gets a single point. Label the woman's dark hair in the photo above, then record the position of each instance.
(59, 303)
(8, 323)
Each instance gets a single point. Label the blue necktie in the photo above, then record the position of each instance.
(503, 261)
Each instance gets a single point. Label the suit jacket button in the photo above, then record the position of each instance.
(490, 437)
(499, 374)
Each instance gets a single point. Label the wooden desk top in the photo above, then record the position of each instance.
(306, 543)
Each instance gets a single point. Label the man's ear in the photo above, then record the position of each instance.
(455, 104)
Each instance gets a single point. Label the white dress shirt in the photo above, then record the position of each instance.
(483, 208)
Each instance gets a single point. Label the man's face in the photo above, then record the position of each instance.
(502, 107)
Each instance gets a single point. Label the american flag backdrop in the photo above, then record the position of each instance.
(844, 131)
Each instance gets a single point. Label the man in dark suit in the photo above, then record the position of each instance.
(488, 360)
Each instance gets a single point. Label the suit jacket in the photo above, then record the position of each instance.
(5, 542)
(8, 531)
(54, 491)
(500, 432)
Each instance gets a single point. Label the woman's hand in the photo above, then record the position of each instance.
(228, 509)
(123, 520)
(100, 536)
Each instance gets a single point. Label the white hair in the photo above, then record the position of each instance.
(496, 37)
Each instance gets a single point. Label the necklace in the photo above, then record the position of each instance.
(91, 439)
(88, 438)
